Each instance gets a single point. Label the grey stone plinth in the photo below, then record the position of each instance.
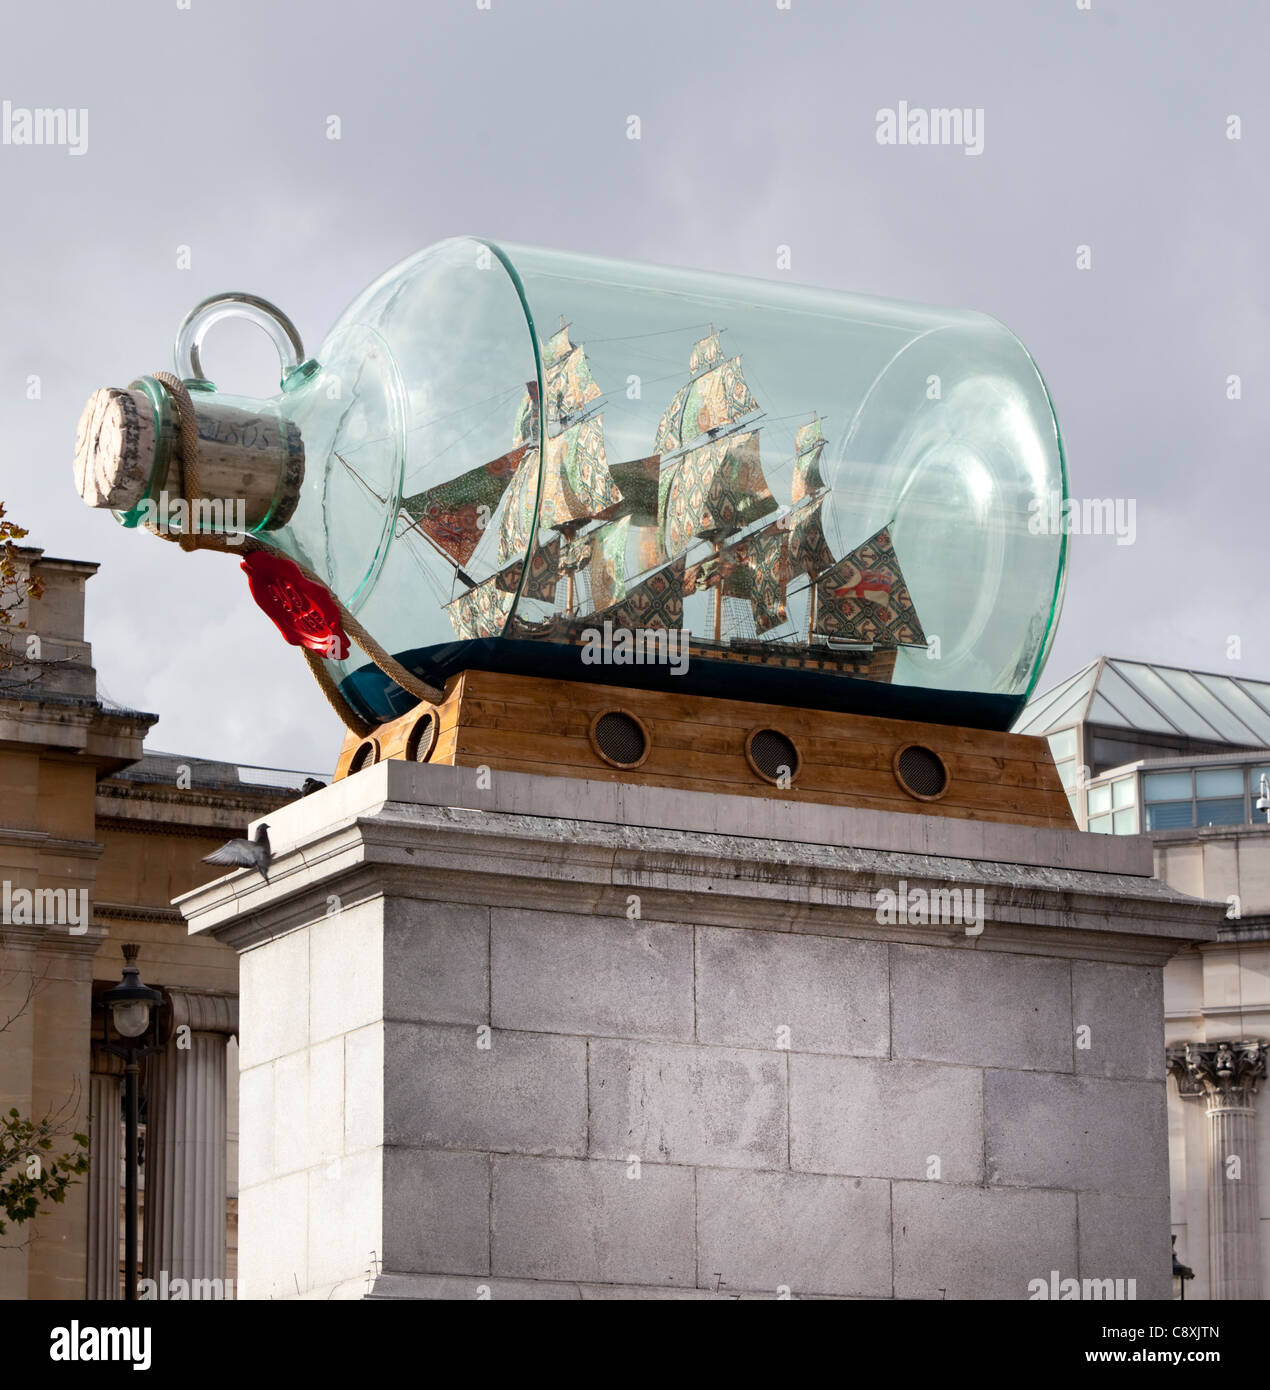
(558, 1039)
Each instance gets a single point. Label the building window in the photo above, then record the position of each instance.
(1254, 788)
(1111, 807)
(1168, 797)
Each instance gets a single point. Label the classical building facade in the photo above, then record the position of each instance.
(87, 810)
(1179, 756)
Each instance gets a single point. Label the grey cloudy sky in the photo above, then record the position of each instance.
(207, 128)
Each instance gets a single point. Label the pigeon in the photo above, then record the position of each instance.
(311, 785)
(248, 854)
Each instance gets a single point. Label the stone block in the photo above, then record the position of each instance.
(1084, 1133)
(1122, 1006)
(255, 1110)
(275, 1021)
(439, 962)
(325, 1101)
(436, 1211)
(525, 1093)
(885, 1119)
(292, 1150)
(1127, 1238)
(273, 1238)
(557, 973)
(346, 970)
(983, 1243)
(346, 1231)
(364, 1083)
(981, 1008)
(831, 993)
(797, 1231)
(585, 1220)
(708, 1105)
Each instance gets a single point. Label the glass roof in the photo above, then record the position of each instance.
(1137, 695)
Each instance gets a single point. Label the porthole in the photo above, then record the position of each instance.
(620, 738)
(366, 755)
(422, 738)
(921, 772)
(773, 756)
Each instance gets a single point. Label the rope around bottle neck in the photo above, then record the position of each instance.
(191, 491)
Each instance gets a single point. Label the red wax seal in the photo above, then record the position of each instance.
(301, 610)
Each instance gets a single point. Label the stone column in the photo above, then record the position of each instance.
(1225, 1076)
(105, 1149)
(185, 1142)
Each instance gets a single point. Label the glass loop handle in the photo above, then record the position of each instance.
(189, 339)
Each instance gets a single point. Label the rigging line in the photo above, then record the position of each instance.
(636, 337)
(607, 401)
(453, 444)
(438, 419)
(417, 526)
(359, 477)
(417, 556)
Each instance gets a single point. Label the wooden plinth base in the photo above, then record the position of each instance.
(563, 729)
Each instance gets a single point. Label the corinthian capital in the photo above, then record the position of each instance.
(1224, 1071)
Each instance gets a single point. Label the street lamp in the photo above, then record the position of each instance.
(130, 1006)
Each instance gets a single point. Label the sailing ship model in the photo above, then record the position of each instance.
(697, 515)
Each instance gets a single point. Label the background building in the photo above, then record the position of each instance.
(86, 808)
(1178, 755)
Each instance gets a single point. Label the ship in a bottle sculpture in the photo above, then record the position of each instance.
(552, 466)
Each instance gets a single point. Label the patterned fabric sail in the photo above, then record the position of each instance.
(544, 573)
(570, 386)
(637, 479)
(481, 612)
(808, 549)
(757, 569)
(705, 354)
(648, 551)
(526, 428)
(864, 598)
(608, 563)
(578, 485)
(670, 427)
(809, 444)
(455, 513)
(713, 490)
(558, 346)
(709, 402)
(657, 602)
(515, 527)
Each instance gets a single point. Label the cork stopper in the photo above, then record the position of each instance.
(250, 463)
(114, 448)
